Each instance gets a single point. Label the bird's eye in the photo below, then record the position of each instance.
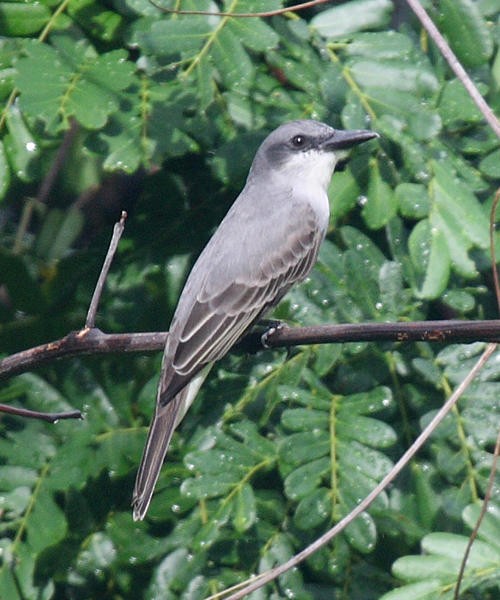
(298, 141)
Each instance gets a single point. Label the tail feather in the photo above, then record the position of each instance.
(159, 436)
(165, 420)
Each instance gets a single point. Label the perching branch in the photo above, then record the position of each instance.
(95, 341)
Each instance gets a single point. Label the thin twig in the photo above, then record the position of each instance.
(264, 578)
(493, 253)
(491, 479)
(58, 162)
(484, 509)
(265, 14)
(455, 65)
(46, 185)
(117, 233)
(34, 414)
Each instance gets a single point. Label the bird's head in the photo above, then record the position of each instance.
(305, 149)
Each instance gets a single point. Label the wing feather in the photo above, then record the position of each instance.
(218, 322)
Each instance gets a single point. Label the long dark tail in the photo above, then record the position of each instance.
(159, 436)
(165, 420)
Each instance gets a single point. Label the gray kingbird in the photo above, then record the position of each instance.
(268, 241)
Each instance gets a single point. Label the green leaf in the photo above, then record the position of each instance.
(205, 486)
(396, 76)
(99, 553)
(467, 33)
(353, 16)
(71, 81)
(205, 87)
(247, 432)
(245, 509)
(305, 479)
(490, 165)
(428, 505)
(174, 572)
(413, 200)
(46, 524)
(12, 477)
(255, 34)
(385, 45)
(102, 24)
(367, 403)
(238, 459)
(304, 419)
(20, 145)
(344, 193)
(456, 106)
(381, 203)
(369, 253)
(300, 448)
(69, 230)
(361, 533)
(457, 214)
(490, 524)
(313, 510)
(20, 580)
(453, 546)
(412, 151)
(305, 398)
(232, 61)
(361, 459)
(19, 19)
(424, 590)
(133, 540)
(365, 430)
(430, 256)
(429, 567)
(170, 36)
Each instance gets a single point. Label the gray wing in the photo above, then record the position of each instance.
(238, 289)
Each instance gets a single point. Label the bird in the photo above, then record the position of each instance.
(268, 241)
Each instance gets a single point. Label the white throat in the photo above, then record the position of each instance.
(310, 173)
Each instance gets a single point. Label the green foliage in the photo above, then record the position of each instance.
(161, 114)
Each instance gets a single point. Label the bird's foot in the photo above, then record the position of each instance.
(272, 326)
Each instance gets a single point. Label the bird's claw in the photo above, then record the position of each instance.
(272, 326)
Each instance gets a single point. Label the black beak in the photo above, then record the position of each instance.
(343, 139)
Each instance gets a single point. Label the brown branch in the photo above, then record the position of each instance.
(34, 414)
(94, 341)
(413, 331)
(265, 14)
(85, 341)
